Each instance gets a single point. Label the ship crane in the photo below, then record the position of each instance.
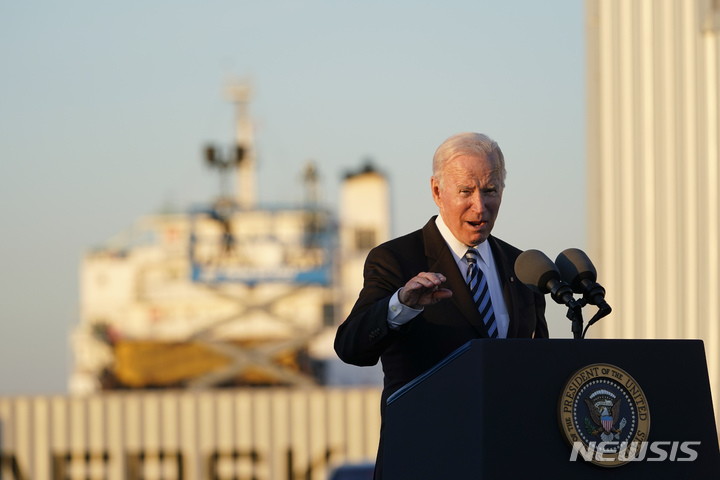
(238, 273)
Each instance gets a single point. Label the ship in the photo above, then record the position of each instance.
(230, 293)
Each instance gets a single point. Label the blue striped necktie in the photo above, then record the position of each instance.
(480, 292)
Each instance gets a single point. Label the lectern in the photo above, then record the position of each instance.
(510, 409)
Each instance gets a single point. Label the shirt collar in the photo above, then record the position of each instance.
(457, 247)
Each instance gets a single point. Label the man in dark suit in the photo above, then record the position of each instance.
(429, 292)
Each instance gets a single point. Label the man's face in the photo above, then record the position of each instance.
(469, 198)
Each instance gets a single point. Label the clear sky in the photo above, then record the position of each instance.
(105, 107)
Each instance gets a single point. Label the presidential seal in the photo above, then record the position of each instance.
(604, 415)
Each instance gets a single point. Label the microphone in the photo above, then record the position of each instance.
(540, 274)
(577, 270)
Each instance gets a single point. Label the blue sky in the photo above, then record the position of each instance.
(105, 106)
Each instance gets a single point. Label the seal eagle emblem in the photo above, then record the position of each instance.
(604, 409)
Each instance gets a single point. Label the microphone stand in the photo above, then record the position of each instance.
(575, 315)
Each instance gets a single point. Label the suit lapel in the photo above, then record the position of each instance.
(440, 259)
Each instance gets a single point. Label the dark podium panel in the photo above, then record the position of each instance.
(490, 411)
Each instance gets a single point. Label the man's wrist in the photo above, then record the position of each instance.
(398, 313)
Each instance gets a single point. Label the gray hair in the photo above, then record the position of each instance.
(468, 143)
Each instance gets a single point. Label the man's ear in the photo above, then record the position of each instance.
(435, 188)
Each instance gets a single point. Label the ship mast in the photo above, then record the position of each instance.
(239, 94)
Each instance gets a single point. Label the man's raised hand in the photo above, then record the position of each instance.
(424, 289)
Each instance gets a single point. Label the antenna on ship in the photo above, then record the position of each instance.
(241, 156)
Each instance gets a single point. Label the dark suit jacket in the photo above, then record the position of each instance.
(365, 336)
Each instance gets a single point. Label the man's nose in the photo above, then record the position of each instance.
(478, 202)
